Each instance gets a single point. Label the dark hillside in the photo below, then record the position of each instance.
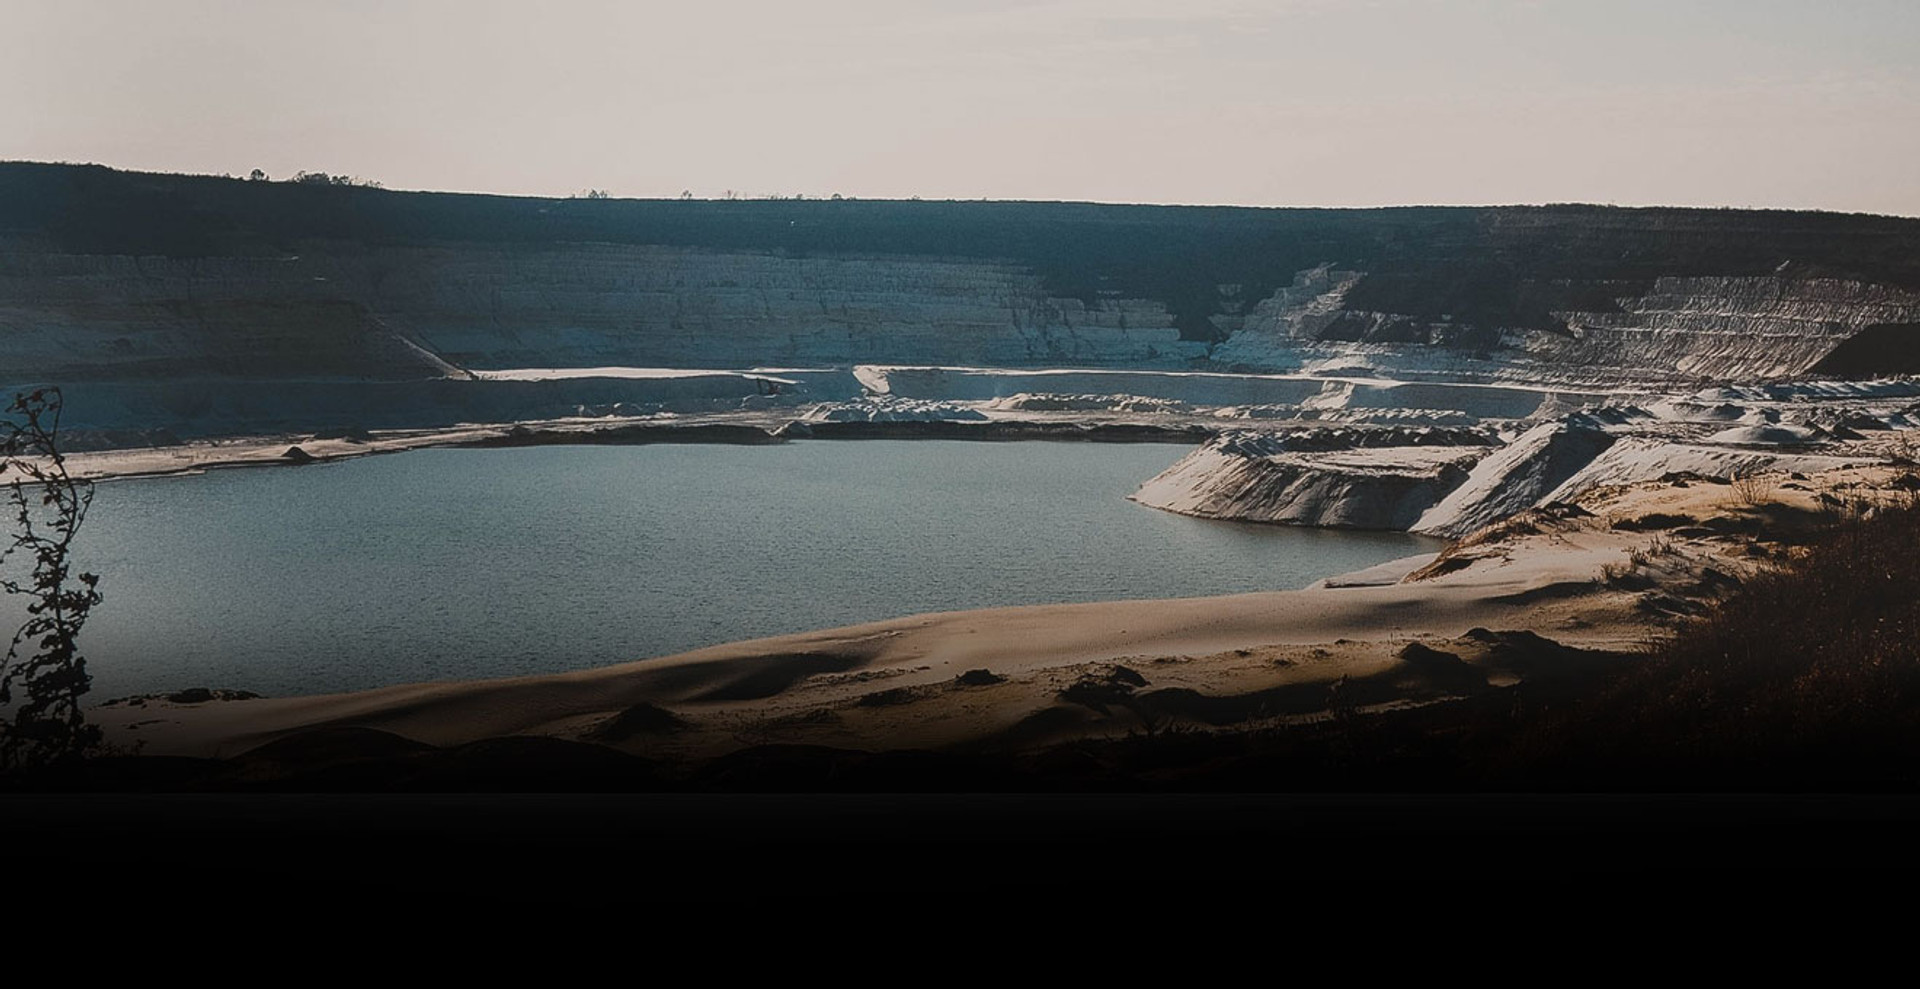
(1508, 266)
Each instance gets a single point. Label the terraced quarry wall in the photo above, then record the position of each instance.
(111, 275)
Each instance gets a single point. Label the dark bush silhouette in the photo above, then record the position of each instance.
(1806, 677)
(43, 676)
(322, 178)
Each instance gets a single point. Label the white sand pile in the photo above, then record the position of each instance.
(1516, 477)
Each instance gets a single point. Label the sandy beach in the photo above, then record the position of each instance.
(1553, 592)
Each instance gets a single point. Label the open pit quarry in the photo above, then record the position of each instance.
(1425, 369)
(1612, 415)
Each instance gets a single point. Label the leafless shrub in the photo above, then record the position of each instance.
(1655, 548)
(1904, 448)
(42, 661)
(1752, 487)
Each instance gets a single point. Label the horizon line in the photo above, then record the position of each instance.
(374, 185)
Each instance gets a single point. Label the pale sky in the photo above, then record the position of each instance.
(1770, 103)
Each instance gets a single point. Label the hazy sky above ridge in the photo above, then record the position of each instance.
(1773, 103)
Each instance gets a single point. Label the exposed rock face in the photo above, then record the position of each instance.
(398, 313)
(116, 275)
(183, 307)
(93, 317)
(1296, 314)
(411, 313)
(1727, 328)
(679, 307)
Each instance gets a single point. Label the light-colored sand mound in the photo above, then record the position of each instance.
(1054, 402)
(1637, 459)
(1370, 489)
(1369, 479)
(893, 410)
(1767, 435)
(1516, 477)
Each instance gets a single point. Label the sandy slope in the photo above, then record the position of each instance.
(1596, 577)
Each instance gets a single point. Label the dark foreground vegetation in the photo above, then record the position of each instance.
(1807, 678)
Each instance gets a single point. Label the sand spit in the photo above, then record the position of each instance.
(294, 449)
(1550, 592)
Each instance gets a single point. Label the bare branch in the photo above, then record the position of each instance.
(43, 675)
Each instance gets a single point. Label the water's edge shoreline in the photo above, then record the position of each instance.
(299, 449)
(1548, 595)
